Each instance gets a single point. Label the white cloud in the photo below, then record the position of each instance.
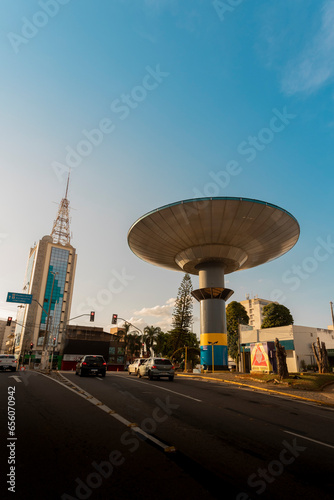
(159, 315)
(314, 66)
(164, 310)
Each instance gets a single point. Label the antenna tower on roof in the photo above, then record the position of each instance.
(61, 227)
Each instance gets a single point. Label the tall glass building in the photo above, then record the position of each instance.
(50, 279)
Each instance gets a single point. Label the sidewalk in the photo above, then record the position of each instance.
(324, 397)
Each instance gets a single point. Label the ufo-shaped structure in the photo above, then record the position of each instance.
(211, 237)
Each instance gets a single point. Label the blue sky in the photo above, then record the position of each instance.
(149, 102)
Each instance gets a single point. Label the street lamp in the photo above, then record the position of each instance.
(213, 359)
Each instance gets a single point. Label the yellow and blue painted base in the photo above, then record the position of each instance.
(214, 351)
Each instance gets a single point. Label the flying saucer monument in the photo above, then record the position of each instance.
(211, 237)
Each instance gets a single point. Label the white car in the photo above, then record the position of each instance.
(8, 362)
(157, 367)
(133, 368)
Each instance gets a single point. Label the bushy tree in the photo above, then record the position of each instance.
(193, 350)
(236, 315)
(276, 315)
(190, 341)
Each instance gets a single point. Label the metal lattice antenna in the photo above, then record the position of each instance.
(61, 227)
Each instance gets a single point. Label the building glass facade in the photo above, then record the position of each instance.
(54, 291)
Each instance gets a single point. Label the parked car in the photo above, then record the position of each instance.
(133, 368)
(91, 364)
(8, 362)
(157, 367)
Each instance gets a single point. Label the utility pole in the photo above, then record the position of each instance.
(331, 304)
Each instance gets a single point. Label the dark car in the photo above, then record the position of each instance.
(91, 364)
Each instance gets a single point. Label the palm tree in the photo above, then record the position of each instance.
(133, 345)
(131, 339)
(150, 336)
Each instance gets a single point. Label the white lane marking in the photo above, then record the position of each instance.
(309, 439)
(112, 413)
(159, 387)
(16, 378)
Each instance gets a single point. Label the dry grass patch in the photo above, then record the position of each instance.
(301, 381)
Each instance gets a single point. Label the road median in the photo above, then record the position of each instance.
(321, 397)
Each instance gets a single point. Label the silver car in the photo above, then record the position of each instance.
(133, 368)
(157, 368)
(8, 362)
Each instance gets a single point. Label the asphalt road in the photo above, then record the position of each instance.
(123, 437)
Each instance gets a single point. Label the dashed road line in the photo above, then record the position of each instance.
(309, 439)
(91, 399)
(159, 387)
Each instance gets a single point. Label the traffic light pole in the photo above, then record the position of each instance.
(64, 332)
(128, 322)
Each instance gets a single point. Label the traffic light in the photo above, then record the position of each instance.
(31, 345)
(92, 315)
(54, 341)
(114, 319)
(9, 320)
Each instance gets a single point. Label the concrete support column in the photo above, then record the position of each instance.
(212, 295)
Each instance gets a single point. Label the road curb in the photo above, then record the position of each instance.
(295, 396)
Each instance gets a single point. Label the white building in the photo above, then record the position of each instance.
(254, 308)
(297, 341)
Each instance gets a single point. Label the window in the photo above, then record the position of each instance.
(162, 362)
(55, 284)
